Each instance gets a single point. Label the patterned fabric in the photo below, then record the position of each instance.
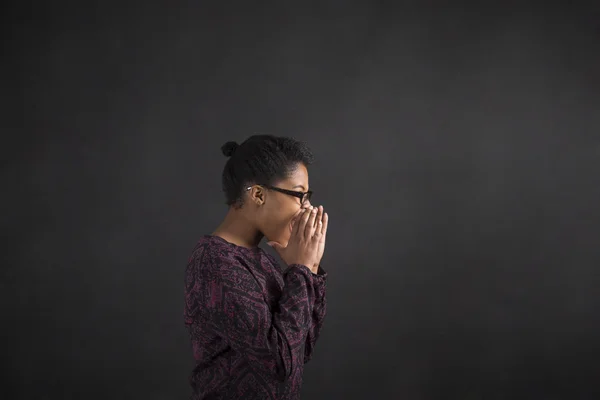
(252, 327)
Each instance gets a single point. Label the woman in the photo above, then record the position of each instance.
(253, 327)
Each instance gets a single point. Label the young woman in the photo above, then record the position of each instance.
(253, 327)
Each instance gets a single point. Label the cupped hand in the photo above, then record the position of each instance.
(305, 240)
(322, 222)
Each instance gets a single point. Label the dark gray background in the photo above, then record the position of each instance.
(458, 156)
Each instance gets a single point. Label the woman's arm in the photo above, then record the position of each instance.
(318, 315)
(230, 301)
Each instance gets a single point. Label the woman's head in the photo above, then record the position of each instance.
(267, 177)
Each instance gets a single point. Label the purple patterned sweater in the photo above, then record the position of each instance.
(252, 327)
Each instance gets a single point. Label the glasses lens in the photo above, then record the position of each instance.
(306, 197)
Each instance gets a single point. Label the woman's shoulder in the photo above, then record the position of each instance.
(209, 244)
(216, 260)
(208, 249)
(213, 253)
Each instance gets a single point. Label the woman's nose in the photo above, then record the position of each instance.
(306, 204)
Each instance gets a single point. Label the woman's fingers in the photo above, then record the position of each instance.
(319, 217)
(310, 225)
(303, 221)
(321, 223)
(295, 221)
(324, 224)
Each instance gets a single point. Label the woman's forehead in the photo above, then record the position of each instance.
(297, 177)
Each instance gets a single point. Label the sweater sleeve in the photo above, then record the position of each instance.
(318, 315)
(232, 304)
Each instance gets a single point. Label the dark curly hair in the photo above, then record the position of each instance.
(261, 159)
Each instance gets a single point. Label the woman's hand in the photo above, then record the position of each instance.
(322, 222)
(305, 240)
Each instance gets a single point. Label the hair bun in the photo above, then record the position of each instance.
(229, 148)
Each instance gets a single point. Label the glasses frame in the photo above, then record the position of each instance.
(303, 196)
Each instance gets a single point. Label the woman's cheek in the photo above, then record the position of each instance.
(283, 231)
(284, 234)
(278, 233)
(288, 232)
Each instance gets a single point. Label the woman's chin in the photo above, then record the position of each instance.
(282, 240)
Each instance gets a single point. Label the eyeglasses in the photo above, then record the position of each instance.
(303, 196)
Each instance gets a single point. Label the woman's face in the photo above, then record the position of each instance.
(278, 210)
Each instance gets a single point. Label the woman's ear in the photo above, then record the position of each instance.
(257, 195)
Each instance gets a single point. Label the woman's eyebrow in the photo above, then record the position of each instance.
(299, 186)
